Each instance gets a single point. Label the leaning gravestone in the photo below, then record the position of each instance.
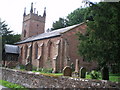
(82, 72)
(28, 66)
(67, 71)
(105, 73)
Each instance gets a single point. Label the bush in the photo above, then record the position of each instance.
(22, 66)
(34, 68)
(94, 74)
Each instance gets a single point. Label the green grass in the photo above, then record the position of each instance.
(112, 77)
(11, 85)
(52, 74)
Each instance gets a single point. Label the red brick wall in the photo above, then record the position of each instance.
(48, 62)
(73, 43)
(45, 61)
(33, 24)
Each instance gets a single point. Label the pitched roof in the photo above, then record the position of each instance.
(12, 49)
(51, 34)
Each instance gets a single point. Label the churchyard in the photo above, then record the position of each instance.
(44, 78)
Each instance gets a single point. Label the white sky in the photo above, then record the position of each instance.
(12, 11)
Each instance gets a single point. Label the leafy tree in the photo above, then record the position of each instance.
(59, 24)
(6, 33)
(102, 39)
(77, 16)
(7, 36)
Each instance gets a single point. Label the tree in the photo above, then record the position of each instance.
(7, 36)
(102, 39)
(77, 16)
(59, 24)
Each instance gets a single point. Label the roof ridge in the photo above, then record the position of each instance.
(51, 34)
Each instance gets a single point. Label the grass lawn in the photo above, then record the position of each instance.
(11, 85)
(50, 74)
(112, 77)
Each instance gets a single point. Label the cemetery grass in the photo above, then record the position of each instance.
(50, 74)
(112, 77)
(11, 85)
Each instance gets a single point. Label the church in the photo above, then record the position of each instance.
(55, 49)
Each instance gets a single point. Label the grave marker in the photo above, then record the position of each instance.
(82, 72)
(77, 66)
(67, 71)
(105, 73)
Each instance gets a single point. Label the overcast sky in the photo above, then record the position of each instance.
(12, 10)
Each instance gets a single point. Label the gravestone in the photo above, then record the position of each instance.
(105, 73)
(82, 72)
(77, 66)
(18, 66)
(67, 71)
(28, 66)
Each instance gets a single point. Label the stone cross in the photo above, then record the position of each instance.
(82, 72)
(77, 66)
(67, 71)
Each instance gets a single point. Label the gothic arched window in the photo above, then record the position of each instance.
(36, 50)
(26, 50)
(49, 44)
(21, 52)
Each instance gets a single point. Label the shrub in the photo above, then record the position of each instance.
(94, 74)
(22, 66)
(34, 68)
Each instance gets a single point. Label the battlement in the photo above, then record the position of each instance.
(35, 17)
(33, 24)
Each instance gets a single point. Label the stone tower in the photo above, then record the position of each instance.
(33, 24)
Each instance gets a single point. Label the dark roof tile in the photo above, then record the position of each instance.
(51, 34)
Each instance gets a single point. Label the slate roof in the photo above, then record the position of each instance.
(51, 34)
(12, 49)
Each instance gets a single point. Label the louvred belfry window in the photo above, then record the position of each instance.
(24, 33)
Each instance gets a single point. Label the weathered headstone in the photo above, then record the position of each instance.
(105, 73)
(18, 66)
(82, 72)
(77, 66)
(28, 66)
(67, 71)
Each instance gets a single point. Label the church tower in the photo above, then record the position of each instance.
(33, 24)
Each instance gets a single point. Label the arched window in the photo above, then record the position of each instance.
(26, 49)
(36, 50)
(49, 44)
(21, 52)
